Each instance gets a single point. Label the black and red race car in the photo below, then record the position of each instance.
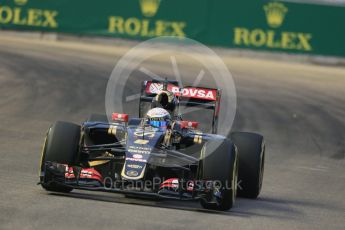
(134, 157)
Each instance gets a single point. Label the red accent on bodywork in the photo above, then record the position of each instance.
(69, 174)
(91, 173)
(170, 183)
(188, 124)
(190, 92)
(85, 173)
(119, 117)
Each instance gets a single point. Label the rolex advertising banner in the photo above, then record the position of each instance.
(248, 24)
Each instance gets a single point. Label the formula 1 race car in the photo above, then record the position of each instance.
(157, 155)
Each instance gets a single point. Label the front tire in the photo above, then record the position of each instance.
(251, 153)
(61, 145)
(219, 162)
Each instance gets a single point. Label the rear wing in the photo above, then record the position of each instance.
(201, 97)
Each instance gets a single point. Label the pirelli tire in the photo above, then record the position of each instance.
(251, 154)
(219, 163)
(61, 145)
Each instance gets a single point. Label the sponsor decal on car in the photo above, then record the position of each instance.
(139, 150)
(199, 93)
(134, 166)
(141, 142)
(132, 170)
(132, 173)
(192, 92)
(136, 160)
(121, 117)
(155, 87)
(137, 156)
(188, 124)
(144, 133)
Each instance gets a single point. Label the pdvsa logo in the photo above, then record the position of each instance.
(275, 13)
(149, 8)
(147, 28)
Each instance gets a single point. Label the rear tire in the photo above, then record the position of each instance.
(251, 154)
(219, 162)
(61, 145)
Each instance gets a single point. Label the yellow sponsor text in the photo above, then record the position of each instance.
(272, 39)
(28, 17)
(145, 27)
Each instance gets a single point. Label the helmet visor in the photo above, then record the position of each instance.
(158, 124)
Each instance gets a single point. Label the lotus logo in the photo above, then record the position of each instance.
(275, 14)
(156, 87)
(20, 2)
(149, 8)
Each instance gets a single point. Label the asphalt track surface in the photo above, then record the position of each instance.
(299, 108)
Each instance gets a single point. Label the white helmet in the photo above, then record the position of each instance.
(158, 117)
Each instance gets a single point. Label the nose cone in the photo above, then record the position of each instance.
(140, 143)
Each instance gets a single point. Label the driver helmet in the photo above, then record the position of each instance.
(166, 100)
(158, 117)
